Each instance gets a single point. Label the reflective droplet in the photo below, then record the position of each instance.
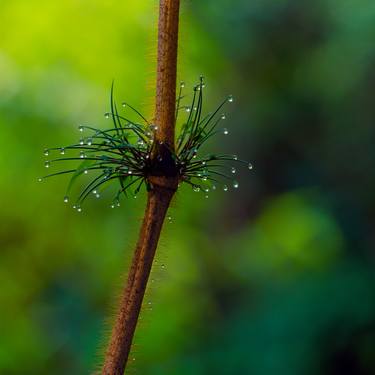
(97, 195)
(233, 170)
(153, 127)
(82, 155)
(206, 196)
(85, 171)
(223, 117)
(62, 151)
(81, 141)
(250, 166)
(235, 157)
(230, 98)
(46, 152)
(118, 204)
(47, 164)
(225, 131)
(196, 188)
(89, 141)
(80, 128)
(204, 163)
(236, 184)
(123, 104)
(79, 209)
(182, 84)
(40, 179)
(112, 205)
(94, 192)
(213, 187)
(106, 115)
(169, 219)
(162, 266)
(187, 109)
(225, 188)
(66, 199)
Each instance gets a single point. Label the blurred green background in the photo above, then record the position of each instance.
(276, 277)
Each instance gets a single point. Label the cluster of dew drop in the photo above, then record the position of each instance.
(123, 152)
(205, 172)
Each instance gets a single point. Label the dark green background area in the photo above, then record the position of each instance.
(274, 278)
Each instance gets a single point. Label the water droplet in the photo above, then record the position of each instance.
(85, 171)
(213, 187)
(106, 115)
(233, 170)
(204, 178)
(46, 152)
(169, 219)
(112, 205)
(250, 166)
(62, 151)
(74, 207)
(130, 172)
(196, 188)
(94, 192)
(223, 117)
(81, 141)
(123, 104)
(153, 128)
(236, 184)
(235, 157)
(47, 164)
(206, 196)
(187, 109)
(163, 266)
(225, 131)
(40, 179)
(135, 196)
(80, 128)
(140, 142)
(225, 188)
(79, 209)
(160, 158)
(206, 189)
(182, 84)
(66, 199)
(230, 98)
(118, 204)
(195, 108)
(82, 155)
(204, 163)
(89, 141)
(97, 195)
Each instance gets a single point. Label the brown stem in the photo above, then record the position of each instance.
(166, 71)
(164, 187)
(131, 302)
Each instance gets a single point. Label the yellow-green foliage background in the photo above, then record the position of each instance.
(275, 278)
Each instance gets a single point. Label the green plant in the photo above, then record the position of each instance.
(141, 152)
(123, 152)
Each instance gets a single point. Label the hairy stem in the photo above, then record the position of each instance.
(164, 187)
(166, 71)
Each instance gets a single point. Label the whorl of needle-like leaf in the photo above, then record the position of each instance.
(126, 152)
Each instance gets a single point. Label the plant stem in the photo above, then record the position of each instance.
(159, 198)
